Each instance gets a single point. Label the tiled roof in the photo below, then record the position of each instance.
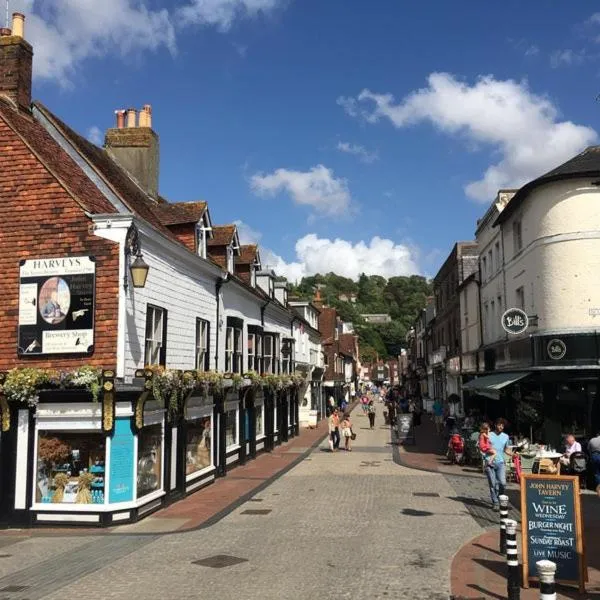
(222, 235)
(56, 160)
(347, 343)
(247, 254)
(180, 213)
(130, 193)
(585, 164)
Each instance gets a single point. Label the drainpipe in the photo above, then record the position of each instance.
(504, 274)
(262, 312)
(224, 278)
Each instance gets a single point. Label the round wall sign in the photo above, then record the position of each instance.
(556, 349)
(515, 321)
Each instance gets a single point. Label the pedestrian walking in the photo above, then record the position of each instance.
(334, 430)
(417, 412)
(347, 432)
(371, 412)
(496, 471)
(438, 415)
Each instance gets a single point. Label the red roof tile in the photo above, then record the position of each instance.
(180, 213)
(56, 160)
(222, 235)
(248, 254)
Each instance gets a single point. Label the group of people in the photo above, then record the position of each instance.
(340, 423)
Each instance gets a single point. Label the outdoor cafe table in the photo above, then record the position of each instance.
(553, 456)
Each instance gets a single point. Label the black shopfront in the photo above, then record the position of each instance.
(550, 385)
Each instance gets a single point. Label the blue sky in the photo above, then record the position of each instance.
(345, 135)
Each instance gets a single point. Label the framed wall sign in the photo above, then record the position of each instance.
(56, 306)
(556, 349)
(552, 528)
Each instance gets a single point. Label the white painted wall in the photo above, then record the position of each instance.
(557, 265)
(186, 289)
(469, 317)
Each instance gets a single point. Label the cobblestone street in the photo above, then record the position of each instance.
(344, 525)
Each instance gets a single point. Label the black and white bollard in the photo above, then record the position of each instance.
(546, 570)
(513, 582)
(503, 516)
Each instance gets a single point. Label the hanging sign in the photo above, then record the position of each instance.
(556, 349)
(552, 527)
(515, 321)
(56, 306)
(405, 431)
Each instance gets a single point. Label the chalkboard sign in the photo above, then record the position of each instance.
(551, 527)
(405, 430)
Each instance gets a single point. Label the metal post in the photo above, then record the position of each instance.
(513, 583)
(503, 516)
(546, 571)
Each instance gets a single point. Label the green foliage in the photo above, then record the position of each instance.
(400, 297)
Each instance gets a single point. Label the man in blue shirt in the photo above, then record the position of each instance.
(496, 471)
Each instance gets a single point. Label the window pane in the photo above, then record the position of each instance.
(199, 447)
(231, 434)
(61, 458)
(149, 460)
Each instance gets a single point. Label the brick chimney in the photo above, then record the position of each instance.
(134, 146)
(16, 60)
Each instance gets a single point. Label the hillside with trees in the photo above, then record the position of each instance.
(400, 297)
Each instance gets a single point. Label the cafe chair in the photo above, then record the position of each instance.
(548, 466)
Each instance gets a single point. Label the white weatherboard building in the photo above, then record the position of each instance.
(547, 239)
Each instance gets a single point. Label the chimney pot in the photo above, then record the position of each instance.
(131, 117)
(146, 116)
(120, 118)
(18, 24)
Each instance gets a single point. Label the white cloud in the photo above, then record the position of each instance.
(64, 33)
(521, 127)
(222, 13)
(567, 58)
(357, 150)
(321, 255)
(95, 135)
(318, 187)
(246, 234)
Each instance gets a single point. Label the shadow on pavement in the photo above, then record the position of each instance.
(487, 593)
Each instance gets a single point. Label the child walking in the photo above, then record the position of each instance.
(347, 432)
(485, 445)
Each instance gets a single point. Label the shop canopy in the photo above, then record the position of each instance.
(492, 385)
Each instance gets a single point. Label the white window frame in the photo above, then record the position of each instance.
(201, 347)
(229, 349)
(268, 359)
(238, 350)
(251, 359)
(201, 236)
(154, 344)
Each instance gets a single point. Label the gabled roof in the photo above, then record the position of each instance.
(585, 164)
(223, 235)
(136, 200)
(57, 161)
(180, 213)
(248, 254)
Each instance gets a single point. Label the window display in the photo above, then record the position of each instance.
(231, 429)
(149, 477)
(70, 467)
(259, 420)
(199, 447)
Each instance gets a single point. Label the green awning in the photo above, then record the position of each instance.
(492, 384)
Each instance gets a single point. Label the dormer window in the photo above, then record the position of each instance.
(201, 234)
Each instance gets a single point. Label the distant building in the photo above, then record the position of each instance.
(377, 319)
(347, 298)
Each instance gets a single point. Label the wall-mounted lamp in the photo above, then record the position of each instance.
(139, 269)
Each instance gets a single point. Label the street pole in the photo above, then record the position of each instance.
(503, 517)
(546, 570)
(513, 584)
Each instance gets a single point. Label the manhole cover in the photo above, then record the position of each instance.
(426, 494)
(14, 588)
(5, 555)
(219, 561)
(264, 511)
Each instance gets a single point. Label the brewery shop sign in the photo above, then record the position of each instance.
(515, 321)
(56, 306)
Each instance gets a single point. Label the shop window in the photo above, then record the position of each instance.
(276, 355)
(149, 477)
(198, 444)
(156, 336)
(202, 353)
(259, 420)
(70, 467)
(231, 428)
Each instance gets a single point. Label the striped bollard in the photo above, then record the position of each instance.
(503, 518)
(546, 570)
(513, 583)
